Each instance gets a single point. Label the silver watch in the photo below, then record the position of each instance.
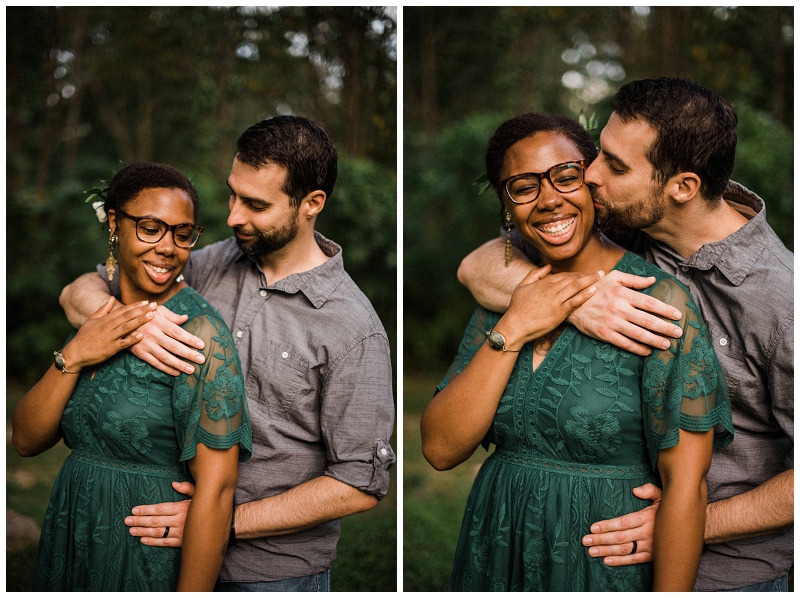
(498, 342)
(61, 364)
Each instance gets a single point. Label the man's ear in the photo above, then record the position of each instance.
(683, 187)
(313, 203)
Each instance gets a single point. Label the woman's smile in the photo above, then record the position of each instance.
(160, 274)
(556, 230)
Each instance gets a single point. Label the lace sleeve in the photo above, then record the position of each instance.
(210, 405)
(474, 336)
(683, 387)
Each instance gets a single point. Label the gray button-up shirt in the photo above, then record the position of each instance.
(319, 385)
(744, 287)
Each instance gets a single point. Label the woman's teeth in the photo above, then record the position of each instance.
(556, 228)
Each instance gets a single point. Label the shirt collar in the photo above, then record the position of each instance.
(736, 254)
(316, 284)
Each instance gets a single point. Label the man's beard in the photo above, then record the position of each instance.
(636, 216)
(267, 243)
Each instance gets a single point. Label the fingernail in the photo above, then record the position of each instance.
(587, 541)
(153, 304)
(135, 510)
(665, 344)
(594, 551)
(189, 369)
(678, 332)
(595, 529)
(134, 531)
(608, 561)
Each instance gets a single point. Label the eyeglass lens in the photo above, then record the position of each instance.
(564, 177)
(152, 231)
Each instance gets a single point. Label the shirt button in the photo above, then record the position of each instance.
(263, 292)
(723, 342)
(285, 354)
(239, 334)
(384, 451)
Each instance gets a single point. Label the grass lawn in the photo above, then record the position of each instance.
(433, 501)
(367, 552)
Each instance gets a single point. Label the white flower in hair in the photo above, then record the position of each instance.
(99, 211)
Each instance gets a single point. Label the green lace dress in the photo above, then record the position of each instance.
(573, 438)
(131, 430)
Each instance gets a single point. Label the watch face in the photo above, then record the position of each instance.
(59, 360)
(496, 341)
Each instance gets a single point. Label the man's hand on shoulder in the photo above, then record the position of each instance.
(622, 316)
(165, 345)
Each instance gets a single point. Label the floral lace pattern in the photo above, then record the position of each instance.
(131, 429)
(574, 437)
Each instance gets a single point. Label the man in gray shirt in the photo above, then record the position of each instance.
(316, 363)
(666, 156)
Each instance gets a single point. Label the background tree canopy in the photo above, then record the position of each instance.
(90, 89)
(468, 69)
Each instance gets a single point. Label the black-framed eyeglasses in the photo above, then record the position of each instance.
(152, 230)
(524, 188)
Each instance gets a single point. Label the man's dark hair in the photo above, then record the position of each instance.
(131, 180)
(695, 129)
(301, 146)
(526, 125)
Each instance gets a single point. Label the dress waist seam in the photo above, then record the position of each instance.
(119, 465)
(590, 470)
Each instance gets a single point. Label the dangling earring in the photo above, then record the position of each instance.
(508, 237)
(111, 263)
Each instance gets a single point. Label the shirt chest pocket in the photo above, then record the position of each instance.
(723, 343)
(283, 377)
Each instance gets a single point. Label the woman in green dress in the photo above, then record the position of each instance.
(577, 423)
(132, 429)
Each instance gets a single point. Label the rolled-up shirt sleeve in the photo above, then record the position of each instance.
(357, 416)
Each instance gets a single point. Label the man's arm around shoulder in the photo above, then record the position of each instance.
(83, 297)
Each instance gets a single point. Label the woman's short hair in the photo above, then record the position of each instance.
(131, 180)
(526, 125)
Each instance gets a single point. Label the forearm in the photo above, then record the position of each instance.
(457, 419)
(678, 537)
(82, 297)
(312, 503)
(484, 273)
(36, 422)
(762, 510)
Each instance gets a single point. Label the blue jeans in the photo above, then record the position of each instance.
(317, 582)
(776, 585)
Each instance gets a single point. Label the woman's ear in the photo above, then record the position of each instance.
(112, 222)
